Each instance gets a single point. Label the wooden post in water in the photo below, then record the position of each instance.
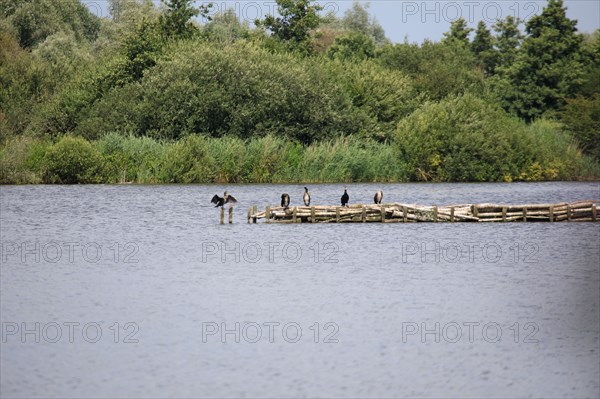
(382, 214)
(364, 214)
(404, 212)
(294, 215)
(222, 216)
(337, 214)
(568, 212)
(435, 213)
(254, 214)
(249, 213)
(524, 213)
(551, 214)
(504, 210)
(268, 214)
(452, 214)
(593, 213)
(230, 215)
(313, 218)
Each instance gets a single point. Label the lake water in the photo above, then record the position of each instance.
(137, 291)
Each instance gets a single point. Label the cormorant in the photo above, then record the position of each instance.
(306, 197)
(378, 197)
(226, 199)
(285, 200)
(345, 197)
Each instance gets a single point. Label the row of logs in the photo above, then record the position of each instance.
(389, 213)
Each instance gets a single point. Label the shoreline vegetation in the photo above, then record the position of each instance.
(151, 96)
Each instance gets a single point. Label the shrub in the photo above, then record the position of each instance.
(21, 161)
(73, 160)
(188, 161)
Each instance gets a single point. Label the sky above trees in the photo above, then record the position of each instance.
(415, 20)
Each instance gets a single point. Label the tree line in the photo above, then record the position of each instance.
(514, 101)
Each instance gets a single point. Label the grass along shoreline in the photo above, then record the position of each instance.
(117, 158)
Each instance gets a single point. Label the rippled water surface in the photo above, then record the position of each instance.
(349, 310)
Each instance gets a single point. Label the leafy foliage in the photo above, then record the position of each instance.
(150, 95)
(73, 160)
(293, 26)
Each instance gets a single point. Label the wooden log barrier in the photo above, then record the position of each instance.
(396, 212)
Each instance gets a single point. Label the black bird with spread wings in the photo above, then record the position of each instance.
(226, 199)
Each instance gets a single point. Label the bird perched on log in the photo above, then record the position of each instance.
(306, 197)
(226, 199)
(285, 200)
(345, 197)
(378, 197)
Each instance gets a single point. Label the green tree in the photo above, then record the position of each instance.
(142, 47)
(225, 27)
(353, 46)
(35, 20)
(357, 19)
(507, 41)
(176, 20)
(459, 32)
(296, 21)
(581, 117)
(483, 48)
(548, 67)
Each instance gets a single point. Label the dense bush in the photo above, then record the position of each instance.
(238, 90)
(581, 118)
(21, 160)
(465, 138)
(188, 161)
(73, 160)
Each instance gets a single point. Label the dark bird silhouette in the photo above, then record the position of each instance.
(378, 197)
(306, 197)
(226, 199)
(285, 201)
(345, 197)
